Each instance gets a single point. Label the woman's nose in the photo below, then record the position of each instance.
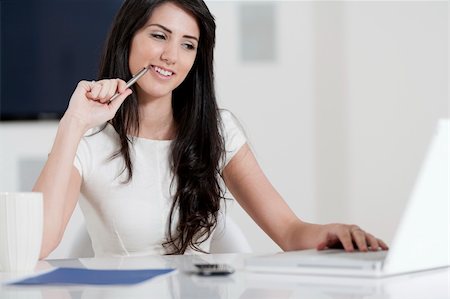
(170, 54)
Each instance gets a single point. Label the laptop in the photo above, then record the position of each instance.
(421, 241)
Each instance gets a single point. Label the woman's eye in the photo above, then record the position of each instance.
(158, 36)
(189, 46)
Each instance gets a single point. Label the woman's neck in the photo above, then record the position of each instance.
(156, 119)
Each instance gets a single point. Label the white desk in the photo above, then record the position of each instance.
(241, 285)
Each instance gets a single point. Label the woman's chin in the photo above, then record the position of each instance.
(152, 94)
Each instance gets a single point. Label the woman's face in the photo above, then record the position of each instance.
(168, 45)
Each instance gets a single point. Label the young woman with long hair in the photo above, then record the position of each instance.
(150, 164)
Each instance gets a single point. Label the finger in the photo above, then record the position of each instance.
(373, 242)
(86, 85)
(114, 105)
(359, 236)
(329, 239)
(322, 246)
(91, 84)
(113, 88)
(345, 238)
(95, 90)
(122, 85)
(102, 96)
(383, 245)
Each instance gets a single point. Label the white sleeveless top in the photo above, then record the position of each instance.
(131, 219)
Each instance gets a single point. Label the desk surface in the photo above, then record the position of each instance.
(242, 284)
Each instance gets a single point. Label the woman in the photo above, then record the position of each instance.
(150, 163)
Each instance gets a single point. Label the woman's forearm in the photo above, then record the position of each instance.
(302, 235)
(55, 179)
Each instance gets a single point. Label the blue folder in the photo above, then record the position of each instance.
(73, 276)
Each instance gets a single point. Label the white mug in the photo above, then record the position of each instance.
(21, 228)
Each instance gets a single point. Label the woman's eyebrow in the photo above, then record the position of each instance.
(170, 31)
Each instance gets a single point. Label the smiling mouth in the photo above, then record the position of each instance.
(163, 72)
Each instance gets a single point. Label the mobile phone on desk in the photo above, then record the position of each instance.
(213, 269)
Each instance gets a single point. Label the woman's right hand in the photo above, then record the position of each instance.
(90, 105)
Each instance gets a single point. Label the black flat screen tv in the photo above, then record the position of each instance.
(46, 48)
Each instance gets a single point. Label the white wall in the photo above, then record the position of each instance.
(339, 121)
(395, 87)
(274, 102)
(20, 141)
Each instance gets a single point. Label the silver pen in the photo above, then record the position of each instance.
(131, 81)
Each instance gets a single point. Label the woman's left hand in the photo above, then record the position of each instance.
(349, 237)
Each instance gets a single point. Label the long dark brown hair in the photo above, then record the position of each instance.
(198, 147)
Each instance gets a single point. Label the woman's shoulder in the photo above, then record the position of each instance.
(226, 114)
(232, 129)
(228, 119)
(233, 134)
